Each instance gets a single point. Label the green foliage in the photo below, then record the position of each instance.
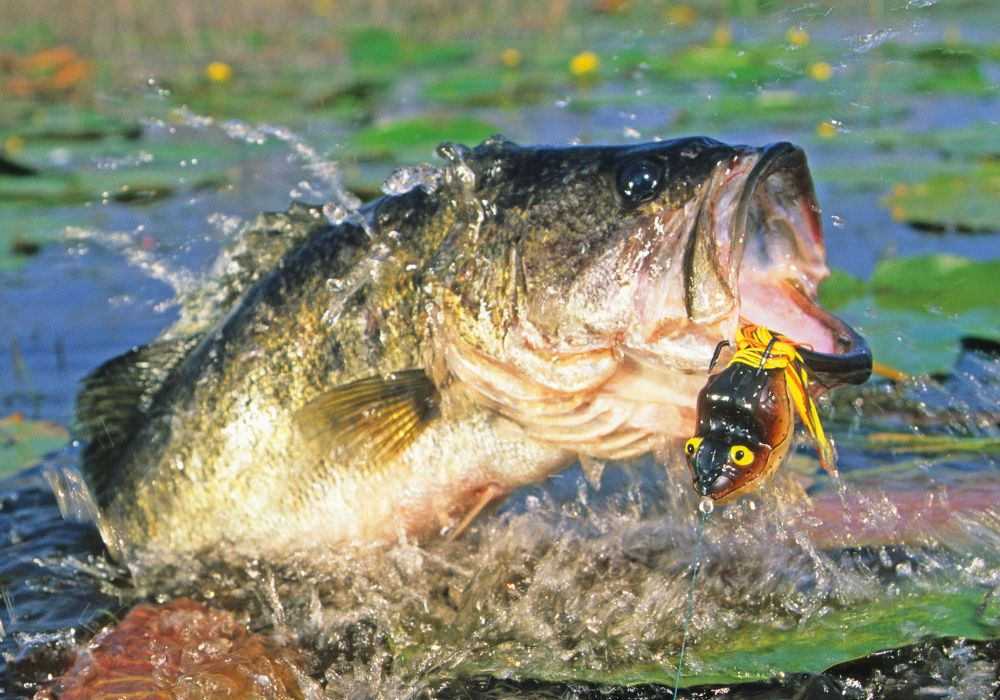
(417, 135)
(937, 283)
(913, 310)
(23, 231)
(966, 200)
(373, 50)
(24, 442)
(760, 651)
(839, 288)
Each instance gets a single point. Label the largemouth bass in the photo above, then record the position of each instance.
(388, 375)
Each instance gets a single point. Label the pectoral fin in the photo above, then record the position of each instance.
(377, 416)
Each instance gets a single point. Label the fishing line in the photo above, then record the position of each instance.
(706, 507)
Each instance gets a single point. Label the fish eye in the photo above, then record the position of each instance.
(639, 180)
(691, 446)
(741, 455)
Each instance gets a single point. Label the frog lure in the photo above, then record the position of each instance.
(745, 422)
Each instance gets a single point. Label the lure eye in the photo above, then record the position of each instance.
(692, 446)
(639, 180)
(740, 455)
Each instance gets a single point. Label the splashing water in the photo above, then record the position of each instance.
(400, 181)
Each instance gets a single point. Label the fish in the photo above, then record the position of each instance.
(390, 373)
(745, 414)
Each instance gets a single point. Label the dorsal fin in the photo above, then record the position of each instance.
(112, 405)
(377, 416)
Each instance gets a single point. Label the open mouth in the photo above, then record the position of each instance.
(765, 239)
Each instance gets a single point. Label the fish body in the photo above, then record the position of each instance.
(382, 377)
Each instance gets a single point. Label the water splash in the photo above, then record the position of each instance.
(403, 180)
(866, 42)
(134, 247)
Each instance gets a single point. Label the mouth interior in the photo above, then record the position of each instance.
(782, 259)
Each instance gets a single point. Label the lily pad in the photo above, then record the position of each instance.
(24, 231)
(485, 88)
(914, 310)
(23, 442)
(936, 283)
(129, 172)
(741, 64)
(966, 200)
(417, 136)
(374, 50)
(761, 651)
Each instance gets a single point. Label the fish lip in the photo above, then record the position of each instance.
(851, 363)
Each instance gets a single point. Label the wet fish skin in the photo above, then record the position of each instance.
(386, 374)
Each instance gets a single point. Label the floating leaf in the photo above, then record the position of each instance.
(839, 288)
(24, 231)
(373, 49)
(485, 88)
(418, 136)
(23, 442)
(903, 443)
(938, 283)
(964, 200)
(761, 651)
(729, 63)
(914, 310)
(438, 54)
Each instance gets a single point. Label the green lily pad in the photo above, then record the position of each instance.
(374, 50)
(937, 283)
(438, 54)
(978, 141)
(839, 288)
(32, 121)
(913, 310)
(417, 136)
(24, 231)
(964, 200)
(126, 171)
(24, 442)
(761, 651)
(486, 87)
(739, 64)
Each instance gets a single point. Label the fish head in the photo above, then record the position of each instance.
(576, 273)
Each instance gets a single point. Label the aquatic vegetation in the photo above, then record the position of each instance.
(219, 72)
(23, 442)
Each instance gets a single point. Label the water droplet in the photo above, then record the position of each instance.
(336, 214)
(425, 176)
(867, 42)
(837, 221)
(707, 505)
